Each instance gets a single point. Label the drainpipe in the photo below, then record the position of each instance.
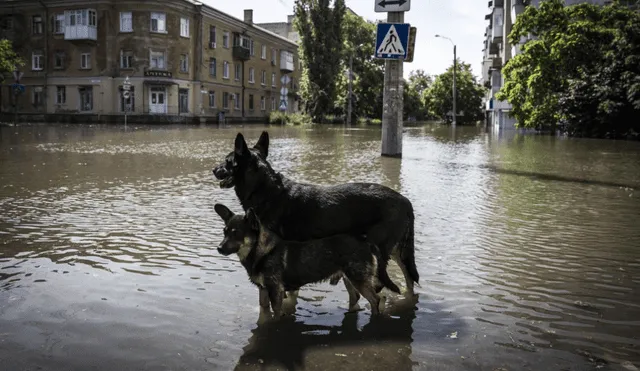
(243, 87)
(46, 55)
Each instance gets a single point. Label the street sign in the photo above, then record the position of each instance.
(412, 44)
(285, 79)
(283, 104)
(392, 40)
(284, 91)
(126, 94)
(17, 76)
(383, 6)
(18, 88)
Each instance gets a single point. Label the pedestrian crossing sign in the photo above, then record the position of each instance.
(392, 40)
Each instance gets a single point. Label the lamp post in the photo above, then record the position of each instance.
(454, 112)
(126, 95)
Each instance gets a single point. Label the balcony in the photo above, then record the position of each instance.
(497, 25)
(516, 9)
(81, 24)
(240, 52)
(286, 61)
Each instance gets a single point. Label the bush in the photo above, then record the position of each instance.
(279, 118)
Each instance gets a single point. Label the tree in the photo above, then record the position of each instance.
(413, 95)
(368, 79)
(582, 69)
(439, 100)
(321, 33)
(9, 60)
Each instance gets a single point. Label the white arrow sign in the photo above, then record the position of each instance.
(383, 6)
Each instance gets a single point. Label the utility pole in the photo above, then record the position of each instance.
(350, 98)
(454, 113)
(392, 103)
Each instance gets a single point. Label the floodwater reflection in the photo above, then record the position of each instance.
(527, 248)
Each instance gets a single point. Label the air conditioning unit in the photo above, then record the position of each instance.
(212, 45)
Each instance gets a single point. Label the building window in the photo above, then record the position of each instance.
(37, 61)
(86, 98)
(225, 70)
(58, 24)
(225, 39)
(263, 52)
(184, 27)
(263, 78)
(251, 75)
(213, 70)
(61, 95)
(126, 59)
(251, 48)
(37, 26)
(85, 61)
(58, 60)
(129, 104)
(184, 63)
(158, 22)
(212, 37)
(7, 23)
(93, 18)
(225, 100)
(157, 60)
(126, 22)
(263, 104)
(273, 56)
(36, 97)
(183, 101)
(212, 99)
(251, 102)
(273, 79)
(238, 71)
(236, 101)
(273, 103)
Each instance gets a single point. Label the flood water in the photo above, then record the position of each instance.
(528, 249)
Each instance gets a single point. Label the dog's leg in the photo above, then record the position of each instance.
(369, 292)
(407, 278)
(354, 296)
(276, 295)
(264, 300)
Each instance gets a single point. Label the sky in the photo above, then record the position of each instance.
(460, 20)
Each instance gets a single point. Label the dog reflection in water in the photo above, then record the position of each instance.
(276, 265)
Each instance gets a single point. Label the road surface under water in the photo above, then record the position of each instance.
(528, 249)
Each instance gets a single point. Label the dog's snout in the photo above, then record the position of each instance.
(220, 172)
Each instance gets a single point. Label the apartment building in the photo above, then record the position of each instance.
(497, 51)
(182, 58)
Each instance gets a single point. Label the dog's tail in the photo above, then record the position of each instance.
(383, 276)
(407, 251)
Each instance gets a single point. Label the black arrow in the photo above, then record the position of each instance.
(384, 3)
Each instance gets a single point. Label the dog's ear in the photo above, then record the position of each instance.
(263, 144)
(252, 218)
(224, 212)
(241, 148)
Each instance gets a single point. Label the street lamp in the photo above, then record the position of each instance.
(454, 112)
(126, 95)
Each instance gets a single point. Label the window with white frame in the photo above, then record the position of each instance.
(263, 52)
(37, 25)
(212, 99)
(58, 60)
(126, 59)
(126, 22)
(157, 60)
(263, 78)
(273, 56)
(61, 94)
(212, 37)
(85, 61)
(58, 24)
(158, 22)
(184, 63)
(225, 70)
(184, 27)
(37, 96)
(225, 39)
(251, 48)
(236, 101)
(251, 75)
(213, 69)
(238, 71)
(273, 79)
(225, 100)
(86, 98)
(263, 104)
(37, 60)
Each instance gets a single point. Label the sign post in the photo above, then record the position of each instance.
(18, 89)
(392, 44)
(126, 95)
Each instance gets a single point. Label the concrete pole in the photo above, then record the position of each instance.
(392, 101)
(350, 98)
(455, 67)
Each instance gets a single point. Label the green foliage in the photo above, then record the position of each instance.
(413, 95)
(9, 60)
(321, 32)
(439, 99)
(279, 118)
(582, 69)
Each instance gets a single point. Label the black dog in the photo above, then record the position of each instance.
(301, 212)
(276, 265)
